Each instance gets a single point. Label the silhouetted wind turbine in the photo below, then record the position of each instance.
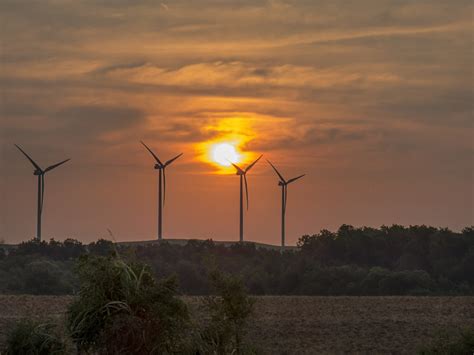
(243, 176)
(284, 186)
(161, 183)
(40, 173)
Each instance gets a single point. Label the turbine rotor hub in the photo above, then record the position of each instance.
(158, 166)
(37, 172)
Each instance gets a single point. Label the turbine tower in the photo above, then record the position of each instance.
(243, 179)
(284, 190)
(161, 186)
(40, 173)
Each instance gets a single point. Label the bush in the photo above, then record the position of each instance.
(122, 310)
(449, 342)
(371, 283)
(229, 311)
(406, 282)
(30, 337)
(42, 277)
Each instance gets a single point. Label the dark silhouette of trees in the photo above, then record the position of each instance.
(351, 261)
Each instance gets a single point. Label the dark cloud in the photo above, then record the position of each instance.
(180, 132)
(93, 121)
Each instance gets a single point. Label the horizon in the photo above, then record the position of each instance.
(371, 100)
(228, 239)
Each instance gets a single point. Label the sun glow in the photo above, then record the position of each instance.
(224, 154)
(228, 143)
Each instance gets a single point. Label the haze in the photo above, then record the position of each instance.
(371, 99)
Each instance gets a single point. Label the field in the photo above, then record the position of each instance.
(308, 325)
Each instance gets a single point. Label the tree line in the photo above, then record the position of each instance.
(395, 260)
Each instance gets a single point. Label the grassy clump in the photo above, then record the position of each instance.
(29, 337)
(121, 309)
(450, 343)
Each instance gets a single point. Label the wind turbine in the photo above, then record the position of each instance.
(284, 186)
(161, 186)
(243, 179)
(40, 173)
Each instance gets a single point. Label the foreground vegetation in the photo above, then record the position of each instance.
(122, 309)
(450, 342)
(396, 260)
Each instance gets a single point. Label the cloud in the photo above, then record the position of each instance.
(246, 76)
(96, 122)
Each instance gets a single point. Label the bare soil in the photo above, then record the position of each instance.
(309, 325)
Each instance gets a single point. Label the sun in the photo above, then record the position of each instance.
(224, 154)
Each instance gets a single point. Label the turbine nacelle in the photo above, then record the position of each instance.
(158, 166)
(243, 173)
(282, 181)
(38, 172)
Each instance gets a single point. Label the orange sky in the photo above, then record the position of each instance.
(371, 99)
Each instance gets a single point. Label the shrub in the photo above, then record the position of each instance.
(42, 277)
(449, 342)
(229, 311)
(121, 309)
(30, 337)
(371, 282)
(406, 282)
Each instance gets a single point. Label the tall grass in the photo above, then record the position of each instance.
(29, 337)
(121, 309)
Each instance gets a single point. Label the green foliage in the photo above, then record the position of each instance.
(121, 309)
(406, 282)
(229, 310)
(36, 276)
(450, 343)
(393, 260)
(44, 276)
(30, 337)
(101, 247)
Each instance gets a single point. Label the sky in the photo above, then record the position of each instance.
(371, 99)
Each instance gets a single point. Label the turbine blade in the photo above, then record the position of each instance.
(42, 194)
(296, 178)
(55, 165)
(164, 185)
(246, 191)
(278, 173)
(151, 152)
(238, 169)
(29, 158)
(172, 160)
(255, 162)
